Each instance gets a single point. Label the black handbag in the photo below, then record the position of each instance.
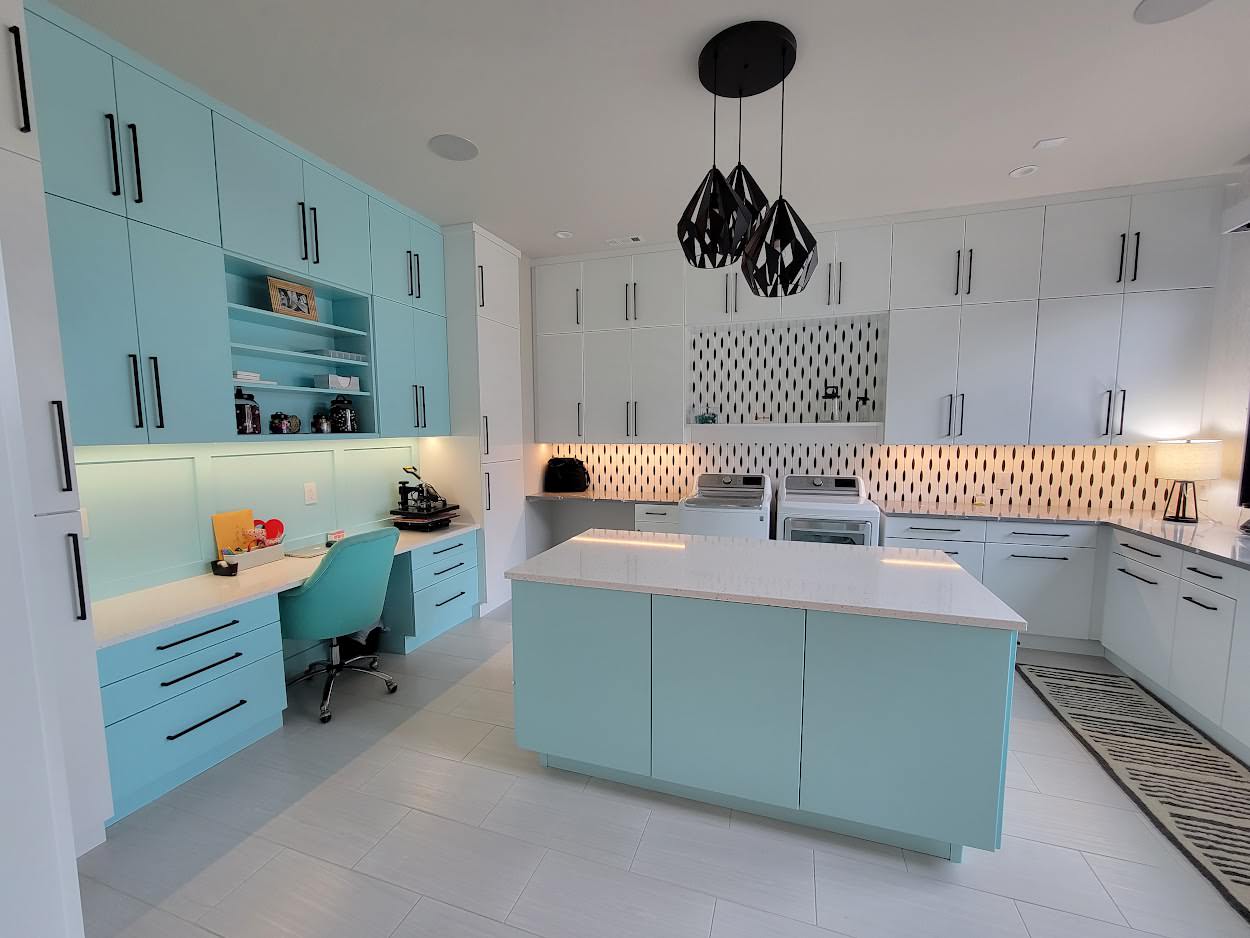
(566, 475)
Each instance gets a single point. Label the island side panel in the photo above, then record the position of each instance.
(582, 673)
(905, 725)
(727, 697)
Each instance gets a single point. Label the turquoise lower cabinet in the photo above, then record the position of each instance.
(582, 665)
(428, 290)
(922, 752)
(338, 219)
(395, 368)
(727, 697)
(432, 387)
(430, 591)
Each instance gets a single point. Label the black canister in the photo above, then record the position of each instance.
(246, 414)
(343, 417)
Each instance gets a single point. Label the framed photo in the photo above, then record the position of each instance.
(292, 299)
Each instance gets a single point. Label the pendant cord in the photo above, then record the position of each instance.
(781, 170)
(716, 84)
(739, 126)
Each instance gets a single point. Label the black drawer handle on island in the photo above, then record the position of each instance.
(446, 601)
(1212, 576)
(191, 638)
(24, 126)
(1190, 599)
(1136, 577)
(1036, 557)
(207, 667)
(449, 569)
(205, 722)
(1140, 550)
(445, 549)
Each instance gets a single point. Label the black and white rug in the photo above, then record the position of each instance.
(1196, 793)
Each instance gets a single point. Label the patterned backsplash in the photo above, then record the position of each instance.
(1113, 477)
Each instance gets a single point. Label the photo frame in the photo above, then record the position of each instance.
(292, 299)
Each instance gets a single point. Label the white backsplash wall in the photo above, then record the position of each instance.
(1115, 477)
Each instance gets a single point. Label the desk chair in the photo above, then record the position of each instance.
(343, 596)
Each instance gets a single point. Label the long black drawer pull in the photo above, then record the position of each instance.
(1190, 599)
(1036, 557)
(658, 514)
(1210, 576)
(160, 400)
(1036, 534)
(117, 168)
(1140, 550)
(191, 638)
(416, 257)
(81, 614)
(316, 236)
(66, 464)
(446, 601)
(16, 32)
(1123, 246)
(449, 569)
(215, 716)
(303, 232)
(943, 530)
(207, 667)
(134, 147)
(1136, 577)
(134, 373)
(435, 553)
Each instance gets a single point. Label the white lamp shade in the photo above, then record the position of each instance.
(1186, 460)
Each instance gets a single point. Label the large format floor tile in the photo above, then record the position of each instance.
(439, 734)
(440, 786)
(1095, 828)
(662, 806)
(108, 913)
(434, 919)
(795, 835)
(1051, 923)
(1171, 900)
(740, 921)
(1079, 782)
(498, 750)
(1046, 739)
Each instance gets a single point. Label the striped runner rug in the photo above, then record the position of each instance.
(1197, 794)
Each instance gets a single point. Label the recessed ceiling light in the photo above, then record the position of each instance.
(1050, 143)
(452, 147)
(1151, 12)
(564, 235)
(1021, 171)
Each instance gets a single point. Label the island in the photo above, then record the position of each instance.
(862, 690)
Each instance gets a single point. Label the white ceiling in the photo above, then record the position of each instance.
(590, 116)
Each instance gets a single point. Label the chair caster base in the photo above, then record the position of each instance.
(391, 687)
(327, 717)
(374, 664)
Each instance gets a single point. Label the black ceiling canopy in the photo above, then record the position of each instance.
(747, 59)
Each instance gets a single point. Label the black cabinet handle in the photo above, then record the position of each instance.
(627, 302)
(191, 638)
(1212, 576)
(486, 434)
(942, 530)
(635, 301)
(735, 291)
(579, 419)
(1106, 427)
(481, 287)
(454, 566)
(958, 254)
(316, 236)
(1036, 534)
(435, 553)
(829, 284)
(1136, 253)
(215, 716)
(134, 148)
(1140, 550)
(1136, 577)
(968, 285)
(81, 614)
(24, 126)
(726, 294)
(1036, 557)
(657, 514)
(66, 466)
(425, 412)
(134, 373)
(416, 407)
(1190, 599)
(577, 306)
(635, 418)
(303, 232)
(839, 283)
(117, 169)
(408, 254)
(160, 400)
(487, 491)
(417, 260)
(962, 408)
(446, 601)
(1123, 403)
(207, 667)
(627, 433)
(1119, 277)
(950, 414)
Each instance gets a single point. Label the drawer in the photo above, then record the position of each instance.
(443, 570)
(130, 695)
(664, 527)
(968, 554)
(1165, 557)
(654, 515)
(1200, 649)
(935, 529)
(1139, 618)
(1051, 587)
(139, 654)
(440, 607)
(1221, 577)
(463, 547)
(1035, 532)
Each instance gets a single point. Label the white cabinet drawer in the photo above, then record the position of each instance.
(935, 529)
(1146, 550)
(1221, 577)
(655, 514)
(1200, 649)
(1041, 532)
(968, 554)
(1051, 587)
(1139, 618)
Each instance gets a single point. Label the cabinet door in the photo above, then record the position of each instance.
(747, 306)
(658, 377)
(498, 283)
(338, 235)
(707, 295)
(606, 287)
(1140, 616)
(1200, 649)
(1078, 342)
(923, 369)
(261, 188)
(395, 368)
(1174, 240)
(861, 278)
(995, 386)
(17, 116)
(390, 249)
(558, 388)
(928, 263)
(969, 555)
(659, 288)
(1003, 255)
(503, 517)
(36, 338)
(433, 397)
(169, 149)
(429, 292)
(608, 414)
(821, 293)
(185, 346)
(79, 146)
(1084, 248)
(1162, 365)
(1051, 587)
(1236, 714)
(499, 368)
(557, 298)
(96, 311)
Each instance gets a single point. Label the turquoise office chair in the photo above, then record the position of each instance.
(343, 596)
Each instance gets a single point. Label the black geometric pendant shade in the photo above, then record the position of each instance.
(780, 256)
(748, 190)
(715, 224)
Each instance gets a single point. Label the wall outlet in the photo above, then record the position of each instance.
(310, 493)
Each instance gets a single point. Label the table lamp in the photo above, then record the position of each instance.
(1184, 462)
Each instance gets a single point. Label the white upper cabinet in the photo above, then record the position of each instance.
(1174, 240)
(17, 102)
(498, 283)
(1078, 343)
(923, 363)
(745, 305)
(658, 376)
(607, 285)
(995, 383)
(558, 388)
(1002, 255)
(1085, 247)
(608, 416)
(558, 298)
(708, 295)
(861, 274)
(818, 298)
(658, 286)
(928, 263)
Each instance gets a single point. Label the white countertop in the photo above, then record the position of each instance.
(144, 611)
(897, 583)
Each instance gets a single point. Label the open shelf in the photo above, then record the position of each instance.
(263, 317)
(297, 389)
(864, 432)
(305, 435)
(289, 355)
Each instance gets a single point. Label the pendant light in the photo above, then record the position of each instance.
(746, 188)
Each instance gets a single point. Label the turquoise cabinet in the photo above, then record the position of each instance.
(582, 661)
(432, 391)
(428, 291)
(395, 368)
(338, 219)
(727, 697)
(261, 194)
(184, 337)
(430, 590)
(390, 246)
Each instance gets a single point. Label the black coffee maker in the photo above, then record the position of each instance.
(421, 508)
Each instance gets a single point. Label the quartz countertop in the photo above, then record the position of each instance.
(601, 495)
(149, 610)
(896, 583)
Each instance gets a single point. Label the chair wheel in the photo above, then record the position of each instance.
(326, 717)
(374, 664)
(391, 687)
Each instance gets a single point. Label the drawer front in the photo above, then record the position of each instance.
(443, 570)
(130, 695)
(1200, 649)
(1033, 532)
(1165, 557)
(155, 742)
(1051, 587)
(935, 529)
(139, 654)
(463, 547)
(445, 604)
(664, 527)
(654, 514)
(1139, 619)
(968, 554)
(1221, 577)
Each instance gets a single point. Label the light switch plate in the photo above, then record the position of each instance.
(310, 493)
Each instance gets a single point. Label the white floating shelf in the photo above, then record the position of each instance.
(785, 432)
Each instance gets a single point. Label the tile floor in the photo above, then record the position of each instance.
(415, 816)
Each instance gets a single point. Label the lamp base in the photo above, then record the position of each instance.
(1182, 503)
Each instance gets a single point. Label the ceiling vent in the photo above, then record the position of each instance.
(626, 240)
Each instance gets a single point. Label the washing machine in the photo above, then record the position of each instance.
(728, 505)
(827, 510)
